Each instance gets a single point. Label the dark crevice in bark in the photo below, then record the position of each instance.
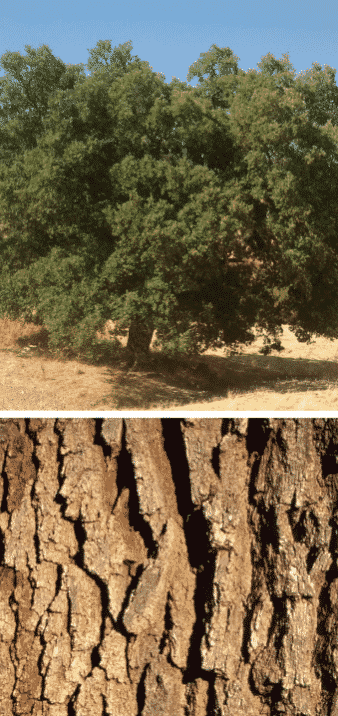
(41, 669)
(105, 711)
(227, 426)
(212, 705)
(176, 454)
(326, 636)
(201, 557)
(215, 460)
(2, 546)
(141, 691)
(95, 656)
(200, 553)
(37, 547)
(69, 618)
(269, 536)
(275, 700)
(129, 639)
(296, 428)
(58, 429)
(70, 709)
(12, 649)
(99, 439)
(119, 626)
(31, 580)
(193, 519)
(297, 527)
(257, 438)
(278, 628)
(311, 558)
(258, 434)
(164, 529)
(279, 440)
(333, 548)
(254, 461)
(203, 598)
(126, 478)
(39, 631)
(59, 572)
(36, 462)
(81, 536)
(249, 612)
(252, 683)
(329, 462)
(168, 625)
(5, 485)
(125, 470)
(325, 431)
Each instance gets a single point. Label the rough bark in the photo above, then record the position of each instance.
(138, 344)
(184, 567)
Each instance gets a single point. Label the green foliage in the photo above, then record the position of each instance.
(200, 211)
(66, 295)
(24, 95)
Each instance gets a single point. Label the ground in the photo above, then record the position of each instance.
(302, 377)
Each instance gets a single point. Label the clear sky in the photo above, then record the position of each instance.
(172, 35)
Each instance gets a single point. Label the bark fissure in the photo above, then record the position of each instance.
(36, 463)
(168, 566)
(5, 482)
(13, 604)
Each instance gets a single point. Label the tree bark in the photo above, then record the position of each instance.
(173, 567)
(138, 345)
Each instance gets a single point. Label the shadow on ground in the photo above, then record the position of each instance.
(215, 377)
(170, 382)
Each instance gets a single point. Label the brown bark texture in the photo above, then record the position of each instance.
(168, 567)
(139, 340)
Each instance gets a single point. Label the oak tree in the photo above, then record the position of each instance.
(202, 212)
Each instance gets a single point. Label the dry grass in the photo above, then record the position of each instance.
(32, 378)
(303, 377)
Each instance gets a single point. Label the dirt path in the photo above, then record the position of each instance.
(302, 377)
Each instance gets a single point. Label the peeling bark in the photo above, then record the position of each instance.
(184, 567)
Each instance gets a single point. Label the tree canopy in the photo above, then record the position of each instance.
(199, 212)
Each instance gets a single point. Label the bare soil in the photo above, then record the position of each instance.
(302, 377)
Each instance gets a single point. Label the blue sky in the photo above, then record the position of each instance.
(171, 36)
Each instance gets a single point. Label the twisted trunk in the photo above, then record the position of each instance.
(182, 567)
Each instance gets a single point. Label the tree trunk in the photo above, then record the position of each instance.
(138, 344)
(173, 567)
